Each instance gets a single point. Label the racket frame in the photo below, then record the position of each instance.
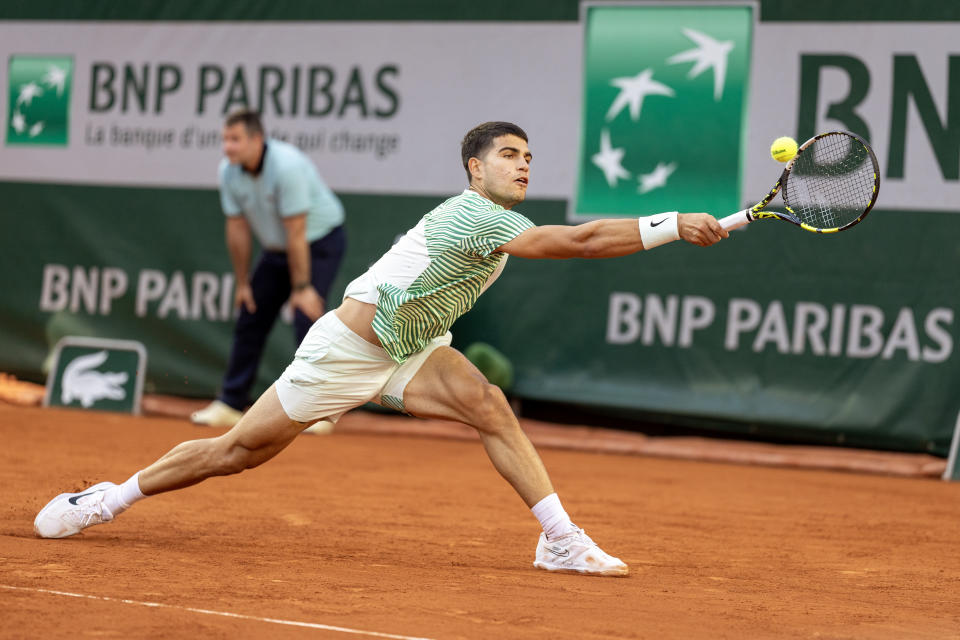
(756, 212)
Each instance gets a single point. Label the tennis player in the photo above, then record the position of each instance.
(389, 342)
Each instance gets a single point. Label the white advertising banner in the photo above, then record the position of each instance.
(901, 80)
(380, 107)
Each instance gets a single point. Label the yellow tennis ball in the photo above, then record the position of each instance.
(783, 149)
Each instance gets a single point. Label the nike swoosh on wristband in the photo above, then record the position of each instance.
(74, 499)
(658, 222)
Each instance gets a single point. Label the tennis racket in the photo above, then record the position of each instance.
(829, 186)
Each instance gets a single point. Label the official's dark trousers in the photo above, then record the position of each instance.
(271, 289)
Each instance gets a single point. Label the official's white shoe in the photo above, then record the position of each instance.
(216, 414)
(577, 553)
(70, 513)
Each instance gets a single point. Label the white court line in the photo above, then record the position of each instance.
(225, 614)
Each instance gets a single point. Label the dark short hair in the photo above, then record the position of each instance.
(249, 119)
(478, 140)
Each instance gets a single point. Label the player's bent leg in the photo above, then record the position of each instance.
(449, 387)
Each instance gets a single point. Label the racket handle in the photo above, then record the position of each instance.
(736, 220)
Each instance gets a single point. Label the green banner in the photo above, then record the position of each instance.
(664, 100)
(830, 340)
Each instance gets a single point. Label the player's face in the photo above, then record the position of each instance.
(503, 173)
(239, 146)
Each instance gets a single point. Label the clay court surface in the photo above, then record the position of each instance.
(403, 536)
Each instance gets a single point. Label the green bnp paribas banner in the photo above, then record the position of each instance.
(664, 102)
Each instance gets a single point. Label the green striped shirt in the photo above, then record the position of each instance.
(462, 238)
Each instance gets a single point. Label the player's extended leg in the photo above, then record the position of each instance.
(262, 433)
(449, 387)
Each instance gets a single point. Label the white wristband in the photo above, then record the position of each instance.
(659, 229)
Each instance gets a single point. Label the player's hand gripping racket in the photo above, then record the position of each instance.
(829, 186)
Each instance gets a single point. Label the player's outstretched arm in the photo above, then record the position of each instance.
(612, 238)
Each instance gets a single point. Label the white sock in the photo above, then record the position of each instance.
(120, 498)
(552, 517)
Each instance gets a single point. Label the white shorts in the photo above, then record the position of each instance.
(336, 370)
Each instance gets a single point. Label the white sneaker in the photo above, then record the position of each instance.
(70, 513)
(577, 553)
(216, 414)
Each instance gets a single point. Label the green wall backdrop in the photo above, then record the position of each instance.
(848, 339)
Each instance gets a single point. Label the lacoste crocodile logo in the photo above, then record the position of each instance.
(81, 382)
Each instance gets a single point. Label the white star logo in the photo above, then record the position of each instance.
(55, 78)
(36, 129)
(18, 122)
(657, 178)
(28, 92)
(632, 92)
(709, 53)
(609, 159)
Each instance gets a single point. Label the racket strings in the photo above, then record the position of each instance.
(831, 183)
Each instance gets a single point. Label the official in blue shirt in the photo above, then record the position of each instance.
(271, 190)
